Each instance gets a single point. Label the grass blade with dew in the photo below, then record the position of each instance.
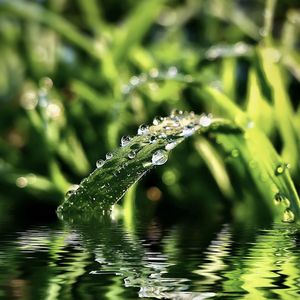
(113, 176)
(136, 156)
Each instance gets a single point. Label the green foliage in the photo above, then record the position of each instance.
(112, 72)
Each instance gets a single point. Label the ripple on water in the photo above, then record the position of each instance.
(184, 261)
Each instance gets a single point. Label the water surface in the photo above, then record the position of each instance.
(185, 260)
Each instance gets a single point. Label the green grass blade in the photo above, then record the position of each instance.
(282, 105)
(121, 169)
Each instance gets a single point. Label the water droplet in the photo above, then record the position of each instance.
(235, 153)
(134, 80)
(152, 139)
(159, 157)
(154, 73)
(188, 131)
(109, 155)
(143, 129)
(29, 100)
(69, 193)
(175, 112)
(172, 71)
(280, 169)
(125, 140)
(205, 121)
(22, 182)
(157, 120)
(278, 198)
(163, 135)
(100, 163)
(72, 190)
(288, 216)
(131, 154)
(170, 146)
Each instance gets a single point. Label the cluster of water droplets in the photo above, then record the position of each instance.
(169, 129)
(41, 99)
(280, 198)
(153, 74)
(238, 49)
(163, 135)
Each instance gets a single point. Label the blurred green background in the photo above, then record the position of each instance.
(68, 92)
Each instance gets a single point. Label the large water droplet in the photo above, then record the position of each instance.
(159, 157)
(280, 198)
(131, 154)
(100, 163)
(288, 216)
(205, 121)
(170, 146)
(125, 140)
(109, 155)
(143, 129)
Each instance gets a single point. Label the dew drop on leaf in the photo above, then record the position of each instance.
(154, 73)
(170, 146)
(125, 140)
(205, 121)
(131, 154)
(152, 139)
(279, 170)
(172, 71)
(109, 155)
(278, 198)
(69, 193)
(188, 131)
(72, 189)
(100, 163)
(143, 129)
(159, 157)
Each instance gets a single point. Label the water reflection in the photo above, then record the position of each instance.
(101, 260)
